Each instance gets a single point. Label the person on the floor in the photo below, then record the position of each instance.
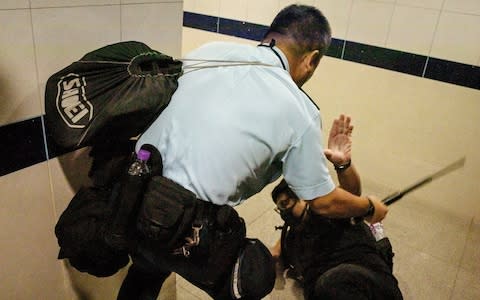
(334, 258)
(233, 126)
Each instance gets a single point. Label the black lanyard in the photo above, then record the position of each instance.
(271, 45)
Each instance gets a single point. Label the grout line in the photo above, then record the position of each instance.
(66, 281)
(425, 66)
(350, 9)
(390, 24)
(459, 265)
(435, 30)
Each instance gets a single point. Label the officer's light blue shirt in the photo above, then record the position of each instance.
(229, 131)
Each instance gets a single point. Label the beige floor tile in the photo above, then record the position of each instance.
(285, 287)
(185, 288)
(423, 226)
(422, 276)
(428, 229)
(467, 286)
(471, 256)
(85, 286)
(256, 206)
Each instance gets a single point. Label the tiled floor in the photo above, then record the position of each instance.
(437, 254)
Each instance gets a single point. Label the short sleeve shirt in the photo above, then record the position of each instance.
(237, 124)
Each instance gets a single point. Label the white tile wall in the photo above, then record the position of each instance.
(28, 246)
(435, 4)
(19, 98)
(59, 41)
(261, 12)
(236, 10)
(147, 1)
(11, 4)
(284, 3)
(412, 29)
(463, 6)
(36, 42)
(189, 5)
(370, 22)
(338, 15)
(141, 22)
(426, 27)
(457, 38)
(207, 7)
(67, 3)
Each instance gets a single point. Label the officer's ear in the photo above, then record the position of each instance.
(312, 59)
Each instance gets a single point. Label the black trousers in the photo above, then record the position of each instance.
(208, 267)
(351, 281)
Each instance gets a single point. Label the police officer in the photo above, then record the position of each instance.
(237, 124)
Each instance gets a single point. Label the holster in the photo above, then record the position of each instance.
(166, 214)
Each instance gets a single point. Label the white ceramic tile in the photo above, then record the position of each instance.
(236, 10)
(11, 4)
(434, 4)
(428, 229)
(59, 41)
(467, 286)
(68, 172)
(369, 22)
(338, 15)
(160, 27)
(19, 95)
(463, 6)
(85, 286)
(284, 3)
(471, 255)
(27, 241)
(207, 7)
(453, 41)
(261, 12)
(258, 205)
(69, 3)
(193, 38)
(186, 290)
(189, 5)
(148, 1)
(421, 276)
(412, 29)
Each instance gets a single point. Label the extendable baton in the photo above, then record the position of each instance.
(399, 194)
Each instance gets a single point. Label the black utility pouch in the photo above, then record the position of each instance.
(166, 213)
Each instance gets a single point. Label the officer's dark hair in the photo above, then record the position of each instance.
(306, 25)
(282, 188)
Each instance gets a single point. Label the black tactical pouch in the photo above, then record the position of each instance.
(166, 213)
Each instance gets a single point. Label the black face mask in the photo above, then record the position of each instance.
(289, 218)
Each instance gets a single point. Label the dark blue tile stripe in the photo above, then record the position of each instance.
(336, 48)
(453, 72)
(385, 58)
(244, 30)
(199, 21)
(23, 142)
(395, 60)
(22, 145)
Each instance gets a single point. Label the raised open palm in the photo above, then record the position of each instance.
(339, 141)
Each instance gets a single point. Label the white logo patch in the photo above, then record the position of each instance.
(72, 103)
